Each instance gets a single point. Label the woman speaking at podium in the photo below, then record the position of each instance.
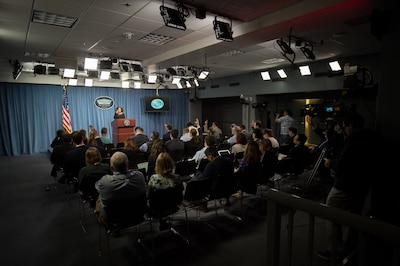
(119, 113)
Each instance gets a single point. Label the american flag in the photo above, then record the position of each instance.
(66, 119)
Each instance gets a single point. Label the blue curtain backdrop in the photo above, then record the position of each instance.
(30, 114)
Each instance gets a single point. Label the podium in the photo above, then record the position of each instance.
(122, 128)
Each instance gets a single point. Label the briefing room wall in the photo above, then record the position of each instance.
(252, 84)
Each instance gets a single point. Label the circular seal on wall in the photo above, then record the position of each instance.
(104, 102)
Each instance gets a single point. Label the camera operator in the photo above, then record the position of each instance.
(285, 120)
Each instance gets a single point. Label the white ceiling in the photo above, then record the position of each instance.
(343, 28)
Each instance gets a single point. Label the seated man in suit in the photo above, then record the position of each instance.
(122, 184)
(175, 147)
(59, 151)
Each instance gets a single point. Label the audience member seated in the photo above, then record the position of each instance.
(284, 149)
(166, 135)
(234, 130)
(246, 174)
(122, 184)
(193, 145)
(175, 147)
(58, 138)
(94, 140)
(269, 161)
(84, 135)
(239, 147)
(163, 178)
(104, 138)
(200, 154)
(74, 160)
(59, 151)
(140, 137)
(90, 174)
(257, 135)
(269, 135)
(297, 159)
(146, 147)
(217, 165)
(157, 148)
(213, 130)
(131, 150)
(186, 136)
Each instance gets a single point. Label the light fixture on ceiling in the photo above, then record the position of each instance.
(286, 49)
(174, 18)
(73, 82)
(152, 78)
(88, 82)
(125, 84)
(91, 63)
(17, 69)
(175, 80)
(265, 75)
(137, 85)
(188, 84)
(69, 73)
(282, 73)
(105, 75)
(196, 82)
(305, 70)
(223, 30)
(203, 74)
(335, 66)
(307, 50)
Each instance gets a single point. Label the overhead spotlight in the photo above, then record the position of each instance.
(105, 75)
(307, 50)
(203, 74)
(305, 70)
(152, 78)
(173, 18)
(282, 73)
(124, 67)
(88, 82)
(69, 73)
(188, 85)
(17, 69)
(196, 82)
(91, 63)
(125, 84)
(73, 82)
(223, 30)
(284, 47)
(265, 75)
(335, 66)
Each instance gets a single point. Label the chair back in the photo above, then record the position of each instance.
(177, 155)
(185, 168)
(248, 178)
(123, 213)
(197, 190)
(164, 202)
(223, 185)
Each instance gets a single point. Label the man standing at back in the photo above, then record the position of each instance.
(285, 120)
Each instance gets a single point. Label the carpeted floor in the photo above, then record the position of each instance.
(41, 226)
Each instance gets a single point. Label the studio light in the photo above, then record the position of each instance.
(125, 84)
(17, 69)
(73, 82)
(335, 66)
(307, 50)
(282, 73)
(305, 70)
(196, 82)
(137, 85)
(203, 74)
(69, 73)
(188, 85)
(173, 18)
(265, 75)
(105, 75)
(223, 30)
(284, 47)
(176, 80)
(152, 78)
(88, 82)
(91, 63)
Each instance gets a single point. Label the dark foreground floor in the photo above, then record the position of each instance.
(40, 227)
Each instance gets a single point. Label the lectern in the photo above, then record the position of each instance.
(122, 128)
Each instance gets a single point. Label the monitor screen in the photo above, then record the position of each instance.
(157, 104)
(329, 109)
